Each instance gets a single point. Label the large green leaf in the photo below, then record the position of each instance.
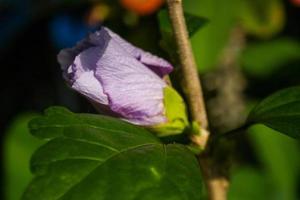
(98, 157)
(280, 111)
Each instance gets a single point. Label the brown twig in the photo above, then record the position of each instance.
(192, 85)
(216, 186)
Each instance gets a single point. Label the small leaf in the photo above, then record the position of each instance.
(193, 22)
(98, 157)
(280, 111)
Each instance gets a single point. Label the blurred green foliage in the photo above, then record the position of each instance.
(210, 40)
(280, 158)
(19, 145)
(262, 59)
(262, 18)
(277, 178)
(248, 184)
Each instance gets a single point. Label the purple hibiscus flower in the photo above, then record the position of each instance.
(117, 77)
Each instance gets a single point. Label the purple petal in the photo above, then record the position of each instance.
(81, 72)
(134, 91)
(156, 64)
(67, 56)
(89, 86)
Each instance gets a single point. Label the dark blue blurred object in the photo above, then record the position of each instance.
(66, 30)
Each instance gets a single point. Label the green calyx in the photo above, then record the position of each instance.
(175, 112)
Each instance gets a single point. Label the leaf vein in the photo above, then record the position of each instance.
(110, 157)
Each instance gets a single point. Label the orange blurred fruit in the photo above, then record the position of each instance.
(142, 7)
(296, 2)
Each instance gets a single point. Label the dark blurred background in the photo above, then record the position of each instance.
(249, 47)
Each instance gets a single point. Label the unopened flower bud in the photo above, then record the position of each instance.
(124, 81)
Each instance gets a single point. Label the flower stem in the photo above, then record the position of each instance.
(216, 185)
(192, 85)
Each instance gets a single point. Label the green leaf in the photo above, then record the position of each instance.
(269, 56)
(98, 157)
(194, 24)
(18, 147)
(280, 111)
